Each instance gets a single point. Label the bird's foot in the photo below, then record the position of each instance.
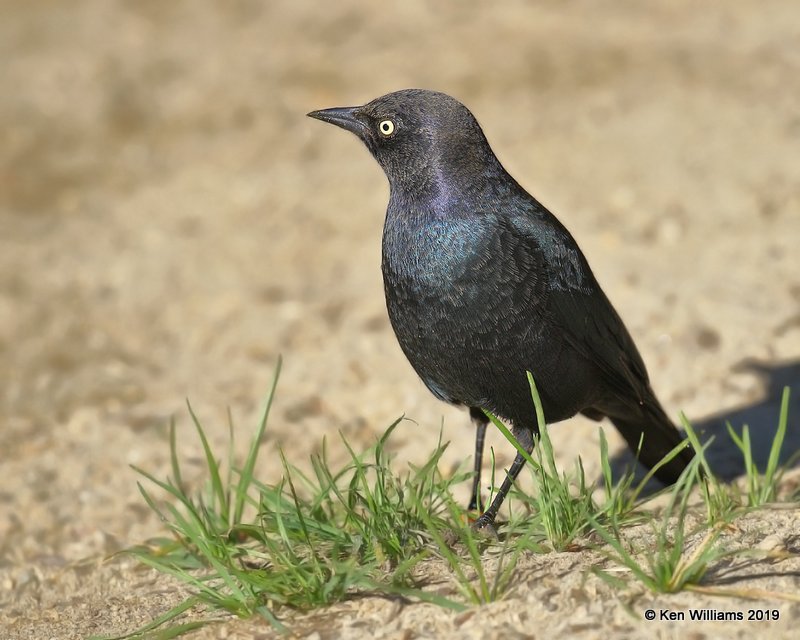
(485, 527)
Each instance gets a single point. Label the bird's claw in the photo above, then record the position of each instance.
(485, 527)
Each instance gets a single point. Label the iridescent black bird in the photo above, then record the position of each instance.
(483, 283)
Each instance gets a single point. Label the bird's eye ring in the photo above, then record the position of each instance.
(386, 127)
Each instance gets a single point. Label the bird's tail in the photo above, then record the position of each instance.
(658, 436)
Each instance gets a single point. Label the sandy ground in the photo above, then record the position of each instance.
(170, 223)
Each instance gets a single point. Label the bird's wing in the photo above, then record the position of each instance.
(575, 304)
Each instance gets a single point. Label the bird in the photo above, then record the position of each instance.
(483, 284)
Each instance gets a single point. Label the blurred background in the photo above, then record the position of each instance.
(171, 222)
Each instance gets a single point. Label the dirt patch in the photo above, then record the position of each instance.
(170, 222)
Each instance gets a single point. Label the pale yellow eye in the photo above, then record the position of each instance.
(386, 127)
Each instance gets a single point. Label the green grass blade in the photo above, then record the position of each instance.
(770, 475)
(246, 474)
(213, 468)
(173, 457)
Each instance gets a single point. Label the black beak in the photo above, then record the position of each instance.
(344, 117)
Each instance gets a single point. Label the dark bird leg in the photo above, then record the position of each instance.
(480, 421)
(525, 439)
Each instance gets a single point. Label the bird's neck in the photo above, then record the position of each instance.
(447, 187)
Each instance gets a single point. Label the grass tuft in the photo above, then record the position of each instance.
(670, 566)
(255, 549)
(763, 487)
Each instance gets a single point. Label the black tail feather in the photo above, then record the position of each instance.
(658, 436)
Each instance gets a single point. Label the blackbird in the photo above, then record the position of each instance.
(484, 284)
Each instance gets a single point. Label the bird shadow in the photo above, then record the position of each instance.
(723, 456)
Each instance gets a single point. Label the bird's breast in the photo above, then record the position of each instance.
(467, 304)
(431, 254)
(442, 278)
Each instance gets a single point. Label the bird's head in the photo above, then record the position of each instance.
(419, 137)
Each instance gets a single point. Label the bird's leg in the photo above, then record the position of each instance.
(480, 421)
(525, 439)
